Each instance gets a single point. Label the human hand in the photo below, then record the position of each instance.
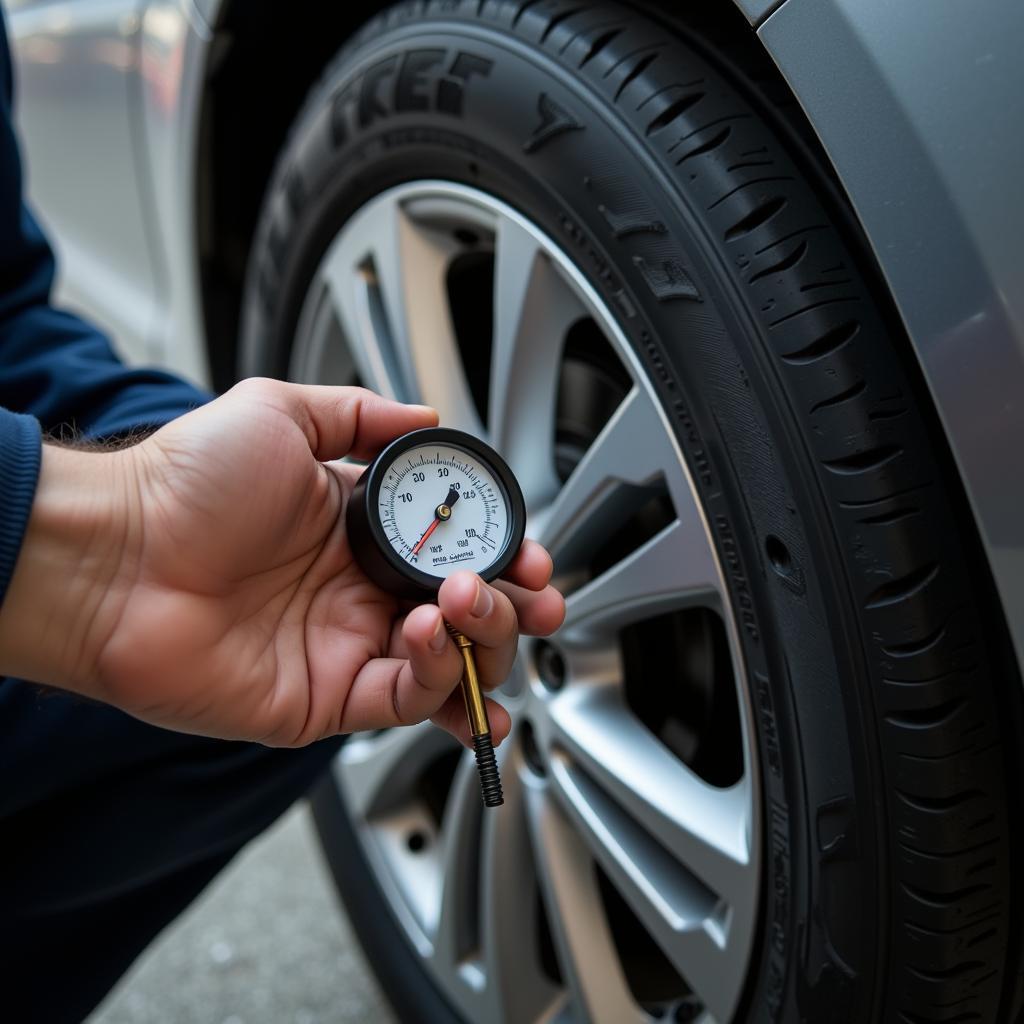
(235, 607)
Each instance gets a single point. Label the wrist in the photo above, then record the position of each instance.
(74, 570)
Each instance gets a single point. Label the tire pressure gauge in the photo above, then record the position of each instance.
(433, 502)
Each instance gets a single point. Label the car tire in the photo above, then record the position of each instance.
(880, 697)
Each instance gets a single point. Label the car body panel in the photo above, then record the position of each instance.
(207, 9)
(174, 41)
(895, 93)
(115, 82)
(76, 70)
(902, 97)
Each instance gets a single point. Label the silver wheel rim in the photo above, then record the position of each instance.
(590, 791)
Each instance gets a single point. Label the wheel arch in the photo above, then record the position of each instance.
(248, 101)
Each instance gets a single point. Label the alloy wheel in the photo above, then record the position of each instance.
(621, 881)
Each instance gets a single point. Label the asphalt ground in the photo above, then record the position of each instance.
(267, 943)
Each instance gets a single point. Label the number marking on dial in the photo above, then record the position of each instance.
(424, 530)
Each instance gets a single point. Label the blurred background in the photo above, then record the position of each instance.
(256, 948)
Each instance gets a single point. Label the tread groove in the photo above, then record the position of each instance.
(975, 922)
(943, 899)
(786, 263)
(951, 972)
(785, 238)
(844, 396)
(707, 147)
(864, 462)
(747, 184)
(666, 89)
(599, 44)
(947, 854)
(813, 305)
(978, 939)
(887, 414)
(749, 163)
(638, 69)
(705, 127)
(828, 343)
(924, 718)
(825, 284)
(753, 220)
(912, 648)
(888, 518)
(675, 109)
(886, 497)
(557, 20)
(904, 588)
(926, 681)
(523, 8)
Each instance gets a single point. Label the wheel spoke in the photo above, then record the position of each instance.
(674, 569)
(690, 927)
(519, 990)
(629, 460)
(585, 947)
(455, 931)
(628, 450)
(677, 848)
(350, 271)
(377, 772)
(533, 310)
(387, 276)
(706, 828)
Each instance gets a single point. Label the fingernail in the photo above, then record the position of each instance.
(483, 603)
(438, 639)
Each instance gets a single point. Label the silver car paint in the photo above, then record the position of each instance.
(74, 100)
(173, 41)
(901, 96)
(107, 99)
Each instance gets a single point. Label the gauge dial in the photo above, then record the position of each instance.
(434, 502)
(442, 510)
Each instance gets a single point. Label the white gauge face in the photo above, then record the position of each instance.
(442, 510)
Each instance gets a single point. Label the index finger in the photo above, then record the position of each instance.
(531, 568)
(343, 421)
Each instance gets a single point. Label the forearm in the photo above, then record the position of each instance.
(70, 578)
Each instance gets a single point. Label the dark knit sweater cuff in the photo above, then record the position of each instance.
(20, 452)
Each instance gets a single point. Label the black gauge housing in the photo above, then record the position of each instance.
(370, 546)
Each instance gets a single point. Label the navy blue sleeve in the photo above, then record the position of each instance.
(54, 367)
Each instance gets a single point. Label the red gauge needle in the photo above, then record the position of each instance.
(423, 540)
(442, 514)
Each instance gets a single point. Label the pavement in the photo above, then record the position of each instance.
(267, 943)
